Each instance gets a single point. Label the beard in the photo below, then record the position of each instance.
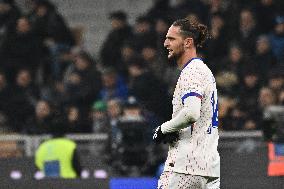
(174, 56)
(172, 60)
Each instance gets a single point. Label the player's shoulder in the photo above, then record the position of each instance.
(195, 66)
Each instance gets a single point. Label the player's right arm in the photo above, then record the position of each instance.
(168, 131)
(188, 115)
(191, 92)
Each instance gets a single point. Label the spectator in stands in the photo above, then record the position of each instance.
(25, 82)
(234, 118)
(121, 31)
(216, 7)
(154, 63)
(266, 98)
(128, 52)
(277, 38)
(131, 155)
(234, 61)
(24, 98)
(114, 111)
(266, 11)
(148, 89)
(41, 121)
(184, 7)
(238, 118)
(82, 82)
(101, 125)
(276, 79)
(9, 13)
(50, 25)
(100, 120)
(144, 33)
(248, 98)
(76, 122)
(229, 72)
(264, 58)
(64, 59)
(21, 48)
(217, 47)
(114, 85)
(134, 110)
(231, 19)
(249, 90)
(5, 97)
(247, 31)
(161, 25)
(160, 8)
(225, 105)
(58, 157)
(54, 92)
(52, 30)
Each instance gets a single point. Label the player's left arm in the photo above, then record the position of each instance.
(189, 114)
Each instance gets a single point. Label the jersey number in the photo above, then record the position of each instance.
(214, 103)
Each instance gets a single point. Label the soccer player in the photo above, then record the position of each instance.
(193, 160)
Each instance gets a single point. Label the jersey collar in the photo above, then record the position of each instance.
(190, 61)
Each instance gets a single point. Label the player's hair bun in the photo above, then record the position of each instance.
(203, 35)
(199, 32)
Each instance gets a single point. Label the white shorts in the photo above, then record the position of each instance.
(170, 180)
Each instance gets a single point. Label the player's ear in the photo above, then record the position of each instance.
(188, 42)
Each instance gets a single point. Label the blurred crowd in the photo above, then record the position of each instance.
(46, 75)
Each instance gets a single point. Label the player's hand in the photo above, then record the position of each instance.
(159, 137)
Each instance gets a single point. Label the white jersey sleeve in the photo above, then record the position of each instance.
(196, 151)
(187, 115)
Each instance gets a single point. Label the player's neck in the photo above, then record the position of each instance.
(188, 55)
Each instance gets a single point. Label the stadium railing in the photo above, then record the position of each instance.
(30, 143)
